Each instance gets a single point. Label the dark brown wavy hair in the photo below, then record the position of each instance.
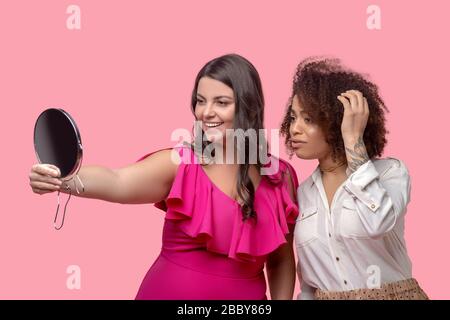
(317, 83)
(240, 75)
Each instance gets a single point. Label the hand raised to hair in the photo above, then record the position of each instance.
(354, 122)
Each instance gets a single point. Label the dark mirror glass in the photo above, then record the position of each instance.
(57, 141)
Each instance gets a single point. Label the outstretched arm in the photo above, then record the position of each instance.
(147, 181)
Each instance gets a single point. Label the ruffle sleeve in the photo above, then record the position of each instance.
(205, 213)
(276, 210)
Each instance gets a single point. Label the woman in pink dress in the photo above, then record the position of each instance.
(224, 220)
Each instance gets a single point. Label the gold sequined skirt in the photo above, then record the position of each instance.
(401, 290)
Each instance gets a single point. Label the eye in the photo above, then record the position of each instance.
(307, 120)
(222, 103)
(200, 101)
(291, 118)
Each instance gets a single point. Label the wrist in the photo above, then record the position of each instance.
(67, 185)
(72, 185)
(351, 140)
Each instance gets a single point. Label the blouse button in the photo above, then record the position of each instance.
(337, 258)
(372, 206)
(345, 281)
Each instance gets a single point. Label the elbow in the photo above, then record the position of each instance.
(384, 226)
(286, 265)
(280, 258)
(371, 225)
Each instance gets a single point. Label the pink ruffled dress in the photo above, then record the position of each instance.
(208, 251)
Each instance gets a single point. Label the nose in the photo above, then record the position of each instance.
(296, 128)
(208, 112)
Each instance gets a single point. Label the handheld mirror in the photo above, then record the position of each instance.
(57, 141)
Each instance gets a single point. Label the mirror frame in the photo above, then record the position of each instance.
(79, 159)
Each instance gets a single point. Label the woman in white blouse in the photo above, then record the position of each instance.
(350, 233)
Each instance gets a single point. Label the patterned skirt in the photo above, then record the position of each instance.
(401, 290)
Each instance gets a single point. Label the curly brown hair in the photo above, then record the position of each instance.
(317, 83)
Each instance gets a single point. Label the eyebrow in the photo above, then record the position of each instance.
(215, 98)
(302, 112)
(291, 110)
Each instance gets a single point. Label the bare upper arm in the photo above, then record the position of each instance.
(149, 180)
(285, 251)
(293, 194)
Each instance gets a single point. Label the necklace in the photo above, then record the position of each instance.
(331, 169)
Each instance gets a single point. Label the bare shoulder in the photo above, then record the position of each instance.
(167, 160)
(290, 178)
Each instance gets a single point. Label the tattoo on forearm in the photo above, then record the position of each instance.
(356, 156)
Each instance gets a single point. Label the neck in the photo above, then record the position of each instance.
(221, 156)
(328, 166)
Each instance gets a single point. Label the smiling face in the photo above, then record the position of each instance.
(307, 138)
(215, 107)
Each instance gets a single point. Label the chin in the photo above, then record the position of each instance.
(304, 156)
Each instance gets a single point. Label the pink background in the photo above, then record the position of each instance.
(126, 78)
